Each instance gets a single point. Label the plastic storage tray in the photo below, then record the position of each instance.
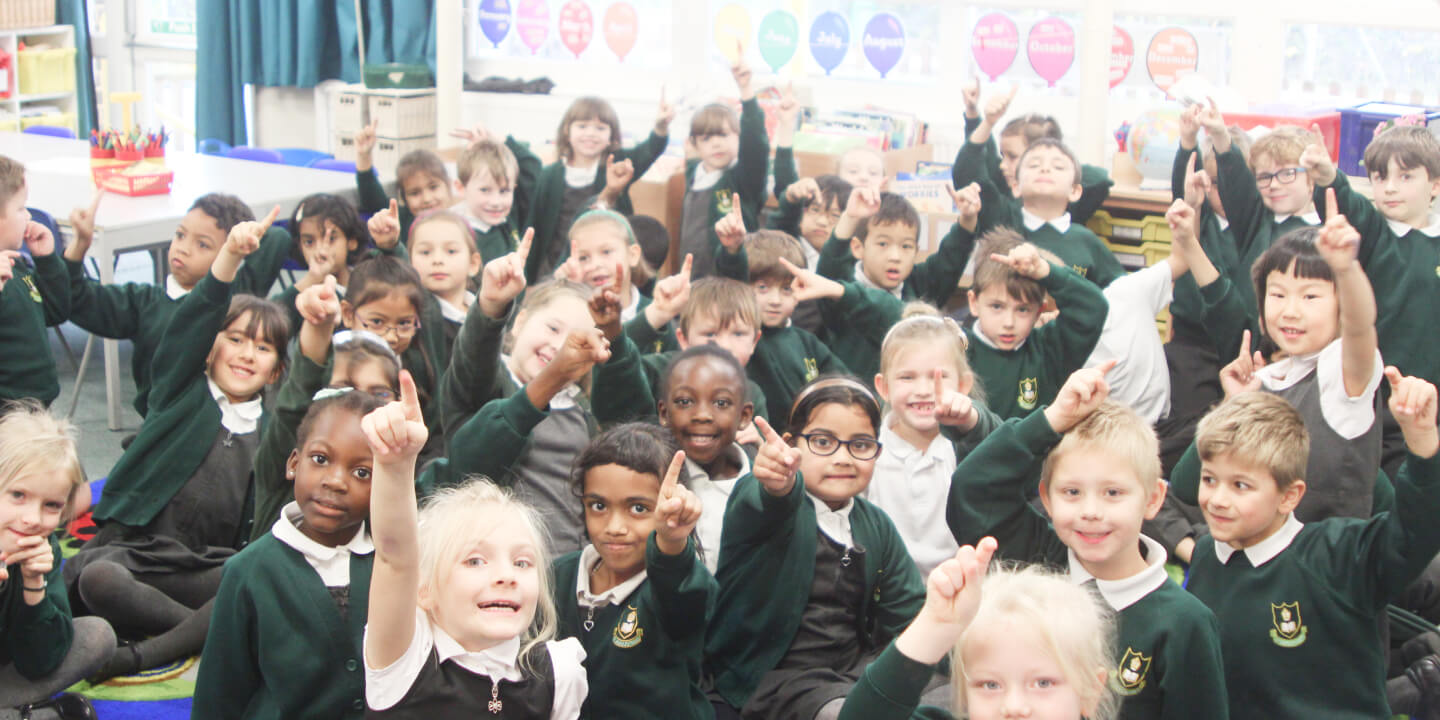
(1357, 129)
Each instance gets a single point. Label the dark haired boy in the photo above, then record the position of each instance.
(140, 312)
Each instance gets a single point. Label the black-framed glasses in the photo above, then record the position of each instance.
(825, 444)
(1284, 175)
(405, 328)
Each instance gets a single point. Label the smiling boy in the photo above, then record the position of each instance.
(1099, 479)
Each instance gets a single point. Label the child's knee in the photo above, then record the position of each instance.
(99, 580)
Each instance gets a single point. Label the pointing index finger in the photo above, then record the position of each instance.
(766, 431)
(95, 201)
(685, 269)
(394, 208)
(1332, 207)
(269, 219)
(524, 249)
(409, 396)
(672, 475)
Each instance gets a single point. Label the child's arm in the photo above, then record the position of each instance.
(733, 262)
(619, 391)
(52, 278)
(396, 433)
(890, 687)
(754, 157)
(982, 421)
(1339, 244)
(384, 227)
(937, 279)
(670, 296)
(1187, 155)
(1359, 211)
(261, 268)
(525, 182)
(786, 174)
(764, 503)
(229, 676)
(1406, 540)
(977, 160)
(643, 155)
(846, 304)
(793, 196)
(113, 311)
(41, 633)
(1238, 193)
(837, 262)
(1071, 338)
(683, 586)
(371, 191)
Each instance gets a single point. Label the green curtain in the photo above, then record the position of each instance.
(72, 12)
(294, 43)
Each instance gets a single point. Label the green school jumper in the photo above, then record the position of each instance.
(549, 197)
(857, 323)
(1186, 307)
(785, 360)
(767, 565)
(890, 689)
(469, 381)
(273, 490)
(644, 655)
(183, 420)
(30, 302)
(1020, 380)
(139, 312)
(1403, 264)
(35, 638)
(933, 281)
(1168, 644)
(1253, 225)
(977, 163)
(277, 646)
(747, 177)
(786, 217)
(1082, 250)
(1299, 631)
(646, 338)
(654, 365)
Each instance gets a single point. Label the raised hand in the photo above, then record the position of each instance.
(810, 285)
(319, 304)
(677, 510)
(1316, 159)
(503, 278)
(605, 307)
(953, 407)
(864, 202)
(1239, 375)
(731, 228)
(1412, 402)
(471, 135)
(8, 258)
(664, 115)
(582, 350)
(971, 94)
(1025, 260)
(967, 204)
(670, 296)
(776, 463)
(82, 222)
(39, 239)
(996, 106)
(1182, 220)
(619, 174)
(804, 190)
(384, 226)
(740, 70)
(35, 559)
(245, 237)
(1197, 183)
(1338, 242)
(396, 432)
(1214, 124)
(952, 597)
(789, 114)
(1082, 392)
(365, 141)
(1190, 127)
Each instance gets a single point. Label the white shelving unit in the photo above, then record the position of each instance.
(16, 107)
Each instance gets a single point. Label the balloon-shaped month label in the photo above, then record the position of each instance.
(1172, 53)
(994, 43)
(1122, 55)
(577, 26)
(1051, 47)
(732, 31)
(495, 20)
(829, 39)
(532, 23)
(622, 26)
(884, 42)
(779, 38)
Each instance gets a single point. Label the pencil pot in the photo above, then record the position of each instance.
(129, 155)
(155, 151)
(101, 153)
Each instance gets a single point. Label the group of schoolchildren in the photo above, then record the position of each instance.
(436, 474)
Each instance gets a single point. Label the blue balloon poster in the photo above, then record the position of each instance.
(829, 39)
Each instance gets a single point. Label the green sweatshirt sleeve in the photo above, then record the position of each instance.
(529, 165)
(1361, 214)
(987, 492)
(39, 636)
(619, 391)
(966, 442)
(490, 442)
(1226, 319)
(1238, 193)
(52, 278)
(972, 165)
(261, 268)
(785, 172)
(937, 279)
(272, 488)
(735, 266)
(112, 311)
(889, 689)
(184, 347)
(372, 194)
(1407, 539)
(754, 161)
(753, 514)
(229, 675)
(471, 378)
(1095, 186)
(836, 260)
(641, 156)
(1071, 338)
(684, 588)
(867, 310)
(1180, 168)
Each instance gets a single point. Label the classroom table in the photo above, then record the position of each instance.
(57, 172)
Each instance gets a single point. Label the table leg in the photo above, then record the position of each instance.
(106, 258)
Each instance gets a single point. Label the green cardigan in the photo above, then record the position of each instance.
(1187, 308)
(890, 689)
(30, 302)
(1252, 224)
(654, 670)
(786, 359)
(747, 177)
(277, 645)
(934, 281)
(977, 163)
(183, 419)
(35, 638)
(550, 195)
(273, 490)
(858, 322)
(767, 565)
(139, 312)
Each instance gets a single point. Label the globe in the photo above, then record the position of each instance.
(1154, 139)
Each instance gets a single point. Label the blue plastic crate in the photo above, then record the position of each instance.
(1357, 129)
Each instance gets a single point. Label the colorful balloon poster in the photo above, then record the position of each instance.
(1122, 55)
(779, 38)
(732, 31)
(532, 23)
(829, 39)
(1173, 52)
(994, 43)
(577, 26)
(622, 26)
(884, 42)
(495, 20)
(1051, 47)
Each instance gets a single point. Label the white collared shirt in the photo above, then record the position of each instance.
(239, 418)
(1349, 417)
(629, 312)
(1309, 218)
(834, 523)
(1224, 224)
(1265, 550)
(1033, 221)
(1431, 229)
(705, 178)
(980, 335)
(1120, 594)
(563, 400)
(864, 280)
(332, 563)
(173, 289)
(452, 313)
(579, 177)
(714, 493)
(462, 211)
(913, 488)
(589, 560)
(812, 256)
(384, 687)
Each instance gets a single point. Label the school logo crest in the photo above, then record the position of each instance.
(724, 203)
(629, 632)
(1080, 270)
(1129, 678)
(1029, 393)
(1289, 630)
(34, 291)
(812, 369)
(514, 239)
